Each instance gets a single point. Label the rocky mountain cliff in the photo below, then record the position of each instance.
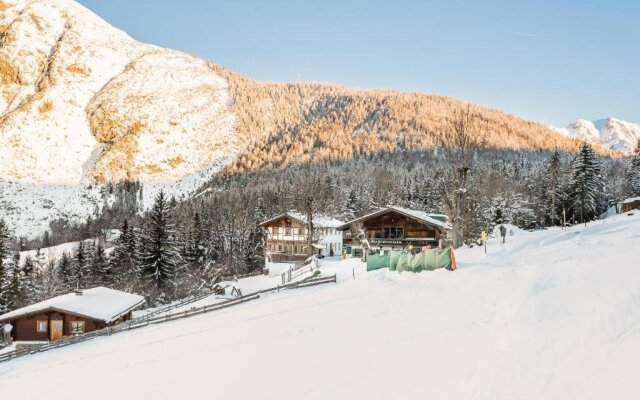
(83, 104)
(609, 133)
(82, 101)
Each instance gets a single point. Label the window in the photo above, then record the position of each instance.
(287, 231)
(392, 232)
(41, 326)
(295, 249)
(279, 247)
(77, 327)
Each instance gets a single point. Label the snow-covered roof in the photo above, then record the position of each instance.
(631, 200)
(425, 217)
(99, 303)
(319, 220)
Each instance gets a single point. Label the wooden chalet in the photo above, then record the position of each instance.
(287, 237)
(397, 228)
(71, 314)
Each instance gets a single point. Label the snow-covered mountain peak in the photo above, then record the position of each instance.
(611, 133)
(81, 101)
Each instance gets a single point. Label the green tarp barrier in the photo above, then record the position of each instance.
(377, 262)
(393, 260)
(427, 260)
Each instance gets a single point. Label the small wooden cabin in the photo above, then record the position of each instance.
(71, 314)
(631, 204)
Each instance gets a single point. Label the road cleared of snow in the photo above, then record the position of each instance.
(549, 314)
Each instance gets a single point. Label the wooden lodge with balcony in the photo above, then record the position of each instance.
(396, 228)
(287, 237)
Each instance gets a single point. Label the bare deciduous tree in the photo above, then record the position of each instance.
(460, 141)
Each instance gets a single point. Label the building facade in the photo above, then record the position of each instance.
(71, 314)
(287, 237)
(396, 228)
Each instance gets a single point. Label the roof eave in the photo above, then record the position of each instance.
(389, 209)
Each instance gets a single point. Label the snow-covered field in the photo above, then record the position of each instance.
(548, 315)
(247, 286)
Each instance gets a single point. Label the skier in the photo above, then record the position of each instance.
(503, 232)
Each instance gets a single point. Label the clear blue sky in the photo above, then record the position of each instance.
(550, 61)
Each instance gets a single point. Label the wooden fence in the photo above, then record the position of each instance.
(291, 274)
(148, 319)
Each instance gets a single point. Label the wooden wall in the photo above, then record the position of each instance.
(412, 228)
(25, 328)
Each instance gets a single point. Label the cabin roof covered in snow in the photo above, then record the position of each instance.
(425, 217)
(631, 200)
(319, 220)
(99, 303)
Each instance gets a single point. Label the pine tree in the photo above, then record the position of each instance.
(4, 267)
(81, 266)
(27, 286)
(12, 288)
(633, 173)
(552, 181)
(159, 256)
(349, 207)
(123, 259)
(100, 269)
(586, 183)
(64, 272)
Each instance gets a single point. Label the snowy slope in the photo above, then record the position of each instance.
(550, 314)
(610, 133)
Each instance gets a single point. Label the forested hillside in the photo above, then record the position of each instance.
(181, 247)
(282, 123)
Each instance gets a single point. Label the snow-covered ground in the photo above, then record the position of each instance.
(247, 286)
(53, 253)
(548, 315)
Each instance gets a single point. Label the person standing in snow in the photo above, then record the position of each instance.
(503, 232)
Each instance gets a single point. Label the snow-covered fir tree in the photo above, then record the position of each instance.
(28, 288)
(12, 284)
(101, 274)
(64, 273)
(586, 184)
(81, 266)
(552, 181)
(159, 257)
(633, 174)
(123, 261)
(4, 267)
